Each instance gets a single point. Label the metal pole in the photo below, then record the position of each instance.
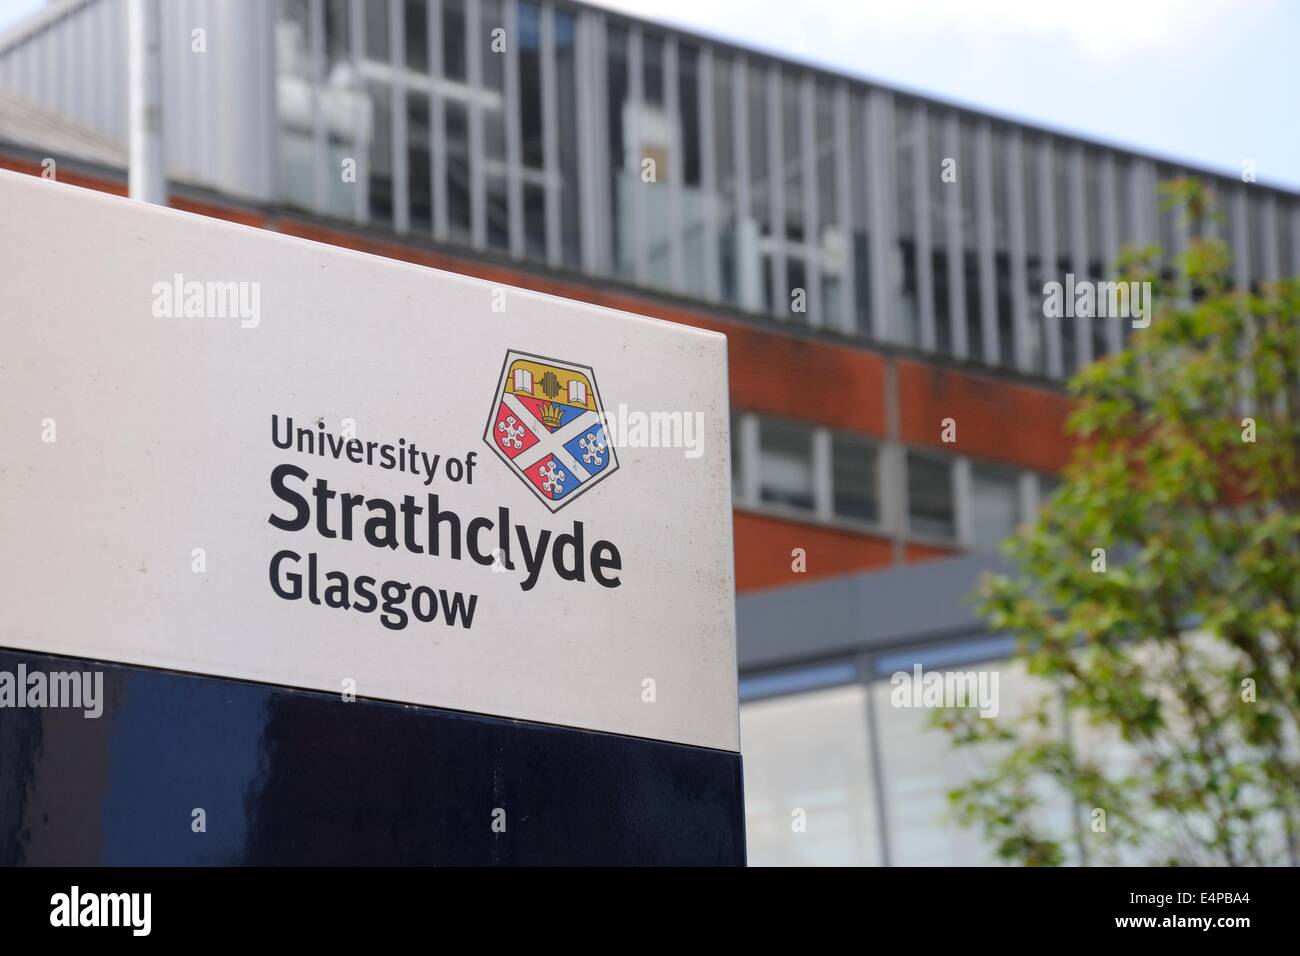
(146, 180)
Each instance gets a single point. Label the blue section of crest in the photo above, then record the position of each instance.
(591, 449)
(568, 480)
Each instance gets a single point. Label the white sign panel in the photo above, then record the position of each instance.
(241, 454)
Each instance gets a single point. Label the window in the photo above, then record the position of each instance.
(419, 181)
(692, 205)
(860, 217)
(930, 506)
(453, 40)
(792, 171)
(1124, 191)
(657, 143)
(456, 121)
(1005, 307)
(942, 299)
(1099, 325)
(1065, 251)
(416, 28)
(380, 192)
(756, 265)
(789, 234)
(566, 73)
(376, 27)
(906, 134)
(293, 62)
(967, 185)
(1288, 256)
(1094, 214)
(942, 198)
(919, 768)
(1002, 296)
(785, 465)
(726, 172)
(322, 100)
(532, 145)
(828, 237)
(1067, 324)
(493, 101)
(971, 287)
(381, 154)
(530, 86)
(622, 158)
(1035, 269)
(810, 750)
(855, 478)
(458, 184)
(995, 506)
(688, 108)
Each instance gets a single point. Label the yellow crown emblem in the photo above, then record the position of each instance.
(551, 415)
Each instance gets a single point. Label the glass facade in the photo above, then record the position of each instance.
(995, 506)
(855, 469)
(809, 788)
(786, 465)
(847, 775)
(567, 136)
(931, 499)
(945, 229)
(1004, 234)
(841, 478)
(909, 171)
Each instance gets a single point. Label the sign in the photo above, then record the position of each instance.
(235, 453)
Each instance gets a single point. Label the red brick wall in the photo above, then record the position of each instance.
(1019, 424)
(242, 216)
(64, 175)
(764, 545)
(814, 381)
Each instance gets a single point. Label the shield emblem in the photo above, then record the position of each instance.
(546, 424)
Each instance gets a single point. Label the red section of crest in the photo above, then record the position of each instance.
(550, 487)
(511, 435)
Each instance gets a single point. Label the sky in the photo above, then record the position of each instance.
(1207, 82)
(12, 11)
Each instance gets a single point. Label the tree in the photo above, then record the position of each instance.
(1178, 644)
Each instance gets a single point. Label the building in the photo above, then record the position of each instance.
(559, 147)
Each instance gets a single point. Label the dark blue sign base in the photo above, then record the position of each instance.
(282, 776)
